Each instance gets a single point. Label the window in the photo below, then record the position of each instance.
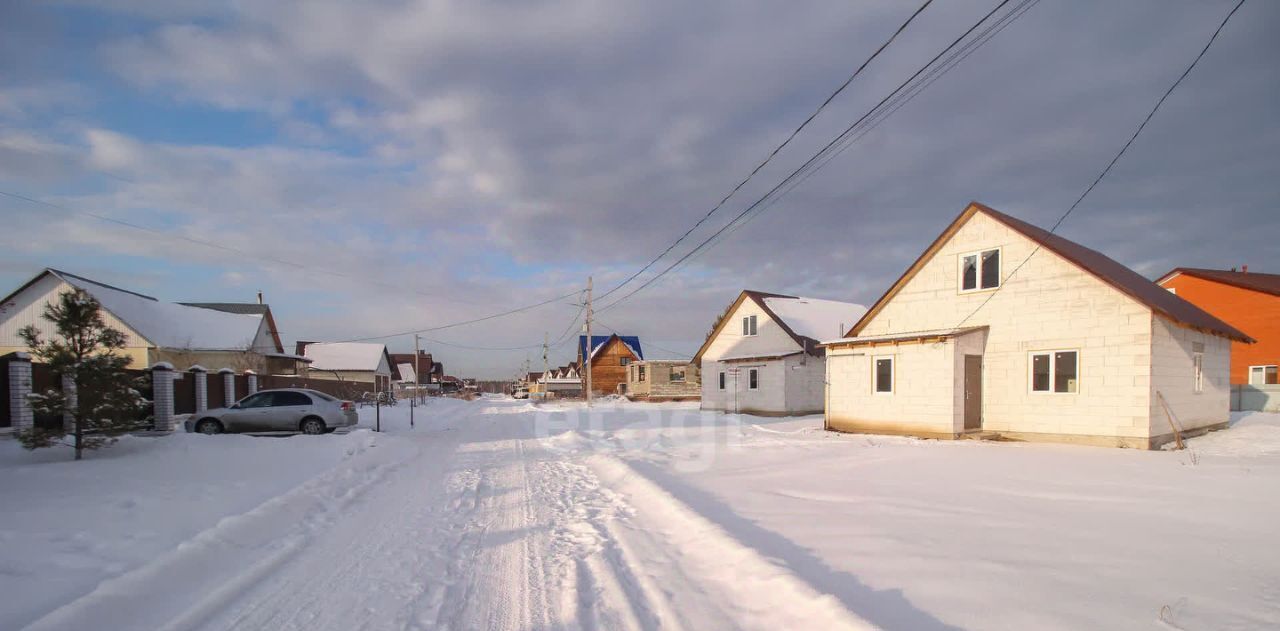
(1055, 371)
(748, 326)
(285, 398)
(624, 361)
(677, 374)
(1197, 363)
(260, 400)
(753, 378)
(640, 373)
(882, 380)
(1263, 376)
(722, 380)
(980, 270)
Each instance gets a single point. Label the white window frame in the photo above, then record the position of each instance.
(978, 287)
(893, 375)
(753, 375)
(1264, 368)
(1053, 370)
(1197, 366)
(749, 326)
(723, 380)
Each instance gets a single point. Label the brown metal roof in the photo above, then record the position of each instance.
(1265, 283)
(1123, 279)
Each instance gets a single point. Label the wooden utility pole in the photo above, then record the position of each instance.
(546, 379)
(587, 351)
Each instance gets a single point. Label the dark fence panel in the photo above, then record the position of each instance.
(341, 389)
(217, 398)
(242, 386)
(5, 419)
(142, 382)
(184, 393)
(42, 380)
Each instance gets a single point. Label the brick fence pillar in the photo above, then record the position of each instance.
(20, 414)
(200, 376)
(228, 385)
(251, 382)
(69, 405)
(162, 377)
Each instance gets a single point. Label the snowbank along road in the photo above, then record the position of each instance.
(498, 514)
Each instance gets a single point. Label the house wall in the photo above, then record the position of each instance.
(27, 308)
(1173, 376)
(607, 371)
(922, 403)
(658, 383)
(804, 382)
(769, 399)
(183, 359)
(1255, 313)
(770, 338)
(1049, 305)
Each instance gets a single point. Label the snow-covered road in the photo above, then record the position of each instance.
(498, 514)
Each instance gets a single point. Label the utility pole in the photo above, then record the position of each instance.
(417, 378)
(587, 351)
(546, 381)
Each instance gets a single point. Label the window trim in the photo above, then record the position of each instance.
(1197, 373)
(671, 375)
(875, 375)
(978, 288)
(1053, 370)
(753, 375)
(723, 380)
(1264, 368)
(750, 326)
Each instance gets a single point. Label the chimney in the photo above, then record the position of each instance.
(259, 296)
(1244, 269)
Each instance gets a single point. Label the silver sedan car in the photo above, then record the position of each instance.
(286, 409)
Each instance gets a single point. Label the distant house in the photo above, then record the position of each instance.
(1246, 300)
(762, 356)
(351, 362)
(1003, 327)
(155, 331)
(424, 362)
(276, 361)
(663, 380)
(609, 356)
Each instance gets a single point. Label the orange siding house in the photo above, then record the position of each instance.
(1246, 300)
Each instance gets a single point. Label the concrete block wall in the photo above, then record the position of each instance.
(922, 400)
(1173, 376)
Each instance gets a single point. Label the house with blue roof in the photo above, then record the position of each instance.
(609, 356)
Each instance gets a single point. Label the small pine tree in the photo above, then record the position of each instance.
(107, 402)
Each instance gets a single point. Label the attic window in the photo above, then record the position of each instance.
(980, 270)
(748, 326)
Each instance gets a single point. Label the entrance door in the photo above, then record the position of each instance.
(973, 392)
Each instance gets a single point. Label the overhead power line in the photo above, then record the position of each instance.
(1114, 160)
(775, 151)
(816, 160)
(299, 266)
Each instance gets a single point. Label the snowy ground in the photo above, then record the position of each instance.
(505, 515)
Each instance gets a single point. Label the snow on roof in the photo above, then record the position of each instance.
(597, 342)
(172, 325)
(814, 318)
(345, 355)
(406, 372)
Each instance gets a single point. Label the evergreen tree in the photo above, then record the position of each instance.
(106, 402)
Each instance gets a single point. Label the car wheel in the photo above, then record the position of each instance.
(209, 426)
(312, 425)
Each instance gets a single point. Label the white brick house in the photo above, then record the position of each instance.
(762, 356)
(1073, 347)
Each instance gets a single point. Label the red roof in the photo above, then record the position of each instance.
(1265, 283)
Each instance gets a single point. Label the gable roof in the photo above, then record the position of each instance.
(598, 342)
(245, 308)
(165, 324)
(1102, 267)
(1256, 281)
(353, 356)
(803, 319)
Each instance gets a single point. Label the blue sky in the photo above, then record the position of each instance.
(453, 159)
